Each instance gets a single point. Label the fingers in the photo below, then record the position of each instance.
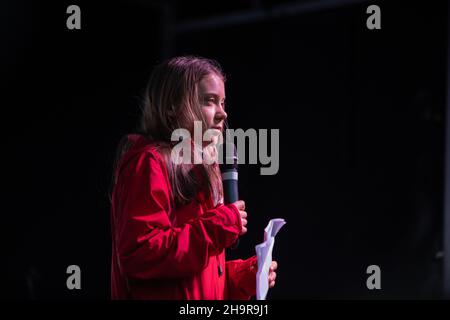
(272, 274)
(240, 204)
(243, 221)
(273, 266)
(272, 284)
(272, 277)
(243, 218)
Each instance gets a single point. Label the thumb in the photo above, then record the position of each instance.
(240, 204)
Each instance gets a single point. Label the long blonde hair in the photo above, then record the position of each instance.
(171, 101)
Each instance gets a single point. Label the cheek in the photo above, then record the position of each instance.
(208, 114)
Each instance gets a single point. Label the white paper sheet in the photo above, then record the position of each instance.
(264, 254)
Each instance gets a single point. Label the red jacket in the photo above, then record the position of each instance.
(159, 252)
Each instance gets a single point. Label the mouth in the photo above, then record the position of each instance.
(217, 128)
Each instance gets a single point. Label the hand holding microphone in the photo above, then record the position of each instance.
(240, 205)
(228, 168)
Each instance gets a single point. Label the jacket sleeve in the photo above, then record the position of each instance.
(147, 243)
(241, 278)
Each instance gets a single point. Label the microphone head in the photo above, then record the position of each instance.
(228, 159)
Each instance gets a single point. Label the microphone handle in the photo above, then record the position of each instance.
(230, 192)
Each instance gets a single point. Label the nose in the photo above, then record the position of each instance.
(221, 115)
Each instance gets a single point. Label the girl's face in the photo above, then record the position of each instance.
(212, 98)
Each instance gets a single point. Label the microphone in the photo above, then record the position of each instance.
(229, 172)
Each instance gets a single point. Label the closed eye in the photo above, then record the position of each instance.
(208, 99)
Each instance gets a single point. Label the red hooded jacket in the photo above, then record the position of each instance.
(159, 252)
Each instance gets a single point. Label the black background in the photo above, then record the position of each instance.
(361, 120)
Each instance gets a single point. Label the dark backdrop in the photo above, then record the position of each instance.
(361, 120)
